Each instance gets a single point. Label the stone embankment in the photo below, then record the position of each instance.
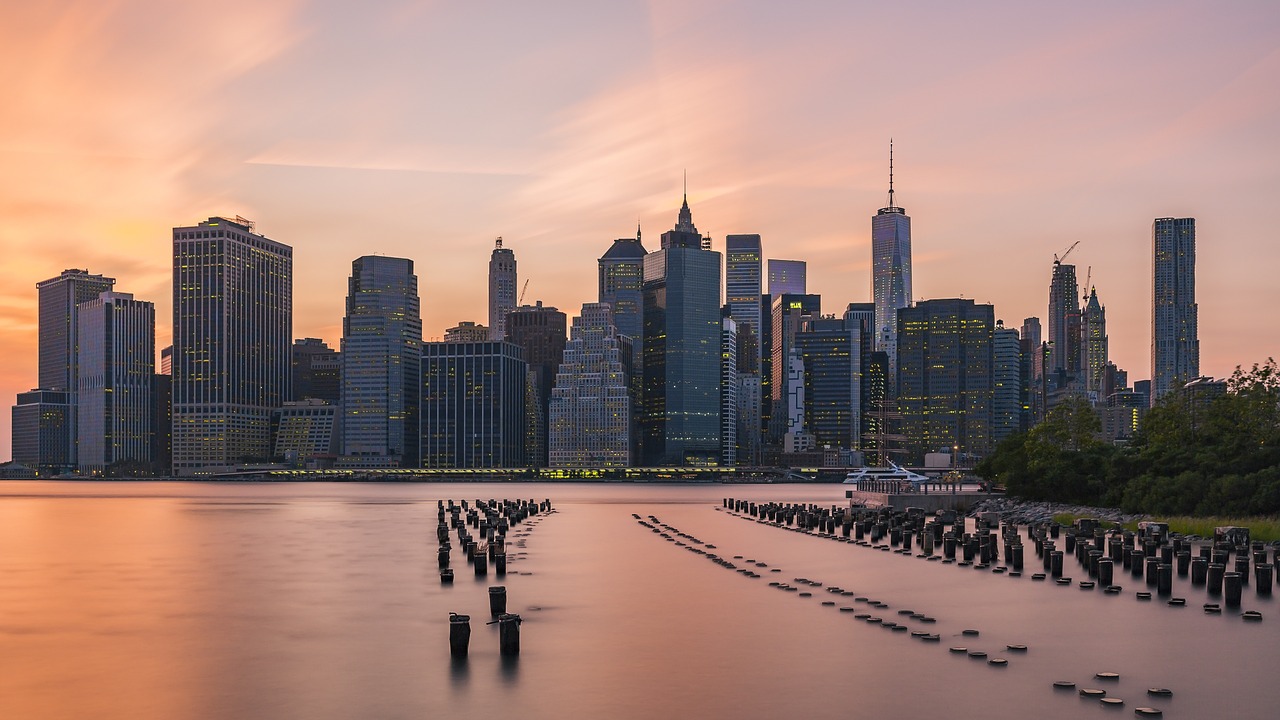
(1026, 511)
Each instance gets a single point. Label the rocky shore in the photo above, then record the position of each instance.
(1027, 511)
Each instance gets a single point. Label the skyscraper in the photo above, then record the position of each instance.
(728, 391)
(540, 333)
(502, 288)
(945, 375)
(317, 371)
(42, 422)
(890, 272)
(786, 316)
(1064, 325)
(681, 390)
(1006, 378)
(787, 277)
(473, 397)
(381, 377)
(621, 271)
(1093, 344)
(742, 281)
(1175, 334)
(58, 299)
(116, 365)
(591, 409)
(833, 350)
(232, 331)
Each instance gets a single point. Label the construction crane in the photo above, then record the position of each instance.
(1087, 277)
(520, 301)
(1058, 260)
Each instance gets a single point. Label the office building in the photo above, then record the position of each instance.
(467, 332)
(832, 352)
(473, 405)
(58, 299)
(304, 433)
(728, 391)
(945, 376)
(786, 316)
(317, 371)
(42, 421)
(381, 378)
(890, 272)
(232, 332)
(1093, 346)
(680, 419)
(1006, 378)
(621, 285)
(541, 333)
(1175, 334)
(591, 403)
(1064, 326)
(502, 289)
(787, 277)
(1030, 364)
(116, 336)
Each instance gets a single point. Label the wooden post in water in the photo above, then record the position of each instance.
(459, 634)
(509, 634)
(497, 600)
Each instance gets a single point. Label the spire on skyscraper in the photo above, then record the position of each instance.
(637, 229)
(891, 173)
(684, 222)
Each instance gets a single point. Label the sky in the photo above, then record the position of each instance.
(427, 129)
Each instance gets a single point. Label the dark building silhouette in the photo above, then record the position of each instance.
(541, 332)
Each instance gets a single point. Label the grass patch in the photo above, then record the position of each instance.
(1264, 529)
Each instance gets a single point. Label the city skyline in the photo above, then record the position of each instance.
(1058, 133)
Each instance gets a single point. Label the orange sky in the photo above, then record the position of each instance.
(425, 129)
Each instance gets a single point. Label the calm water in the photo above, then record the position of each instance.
(186, 600)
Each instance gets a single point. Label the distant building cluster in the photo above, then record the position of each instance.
(685, 358)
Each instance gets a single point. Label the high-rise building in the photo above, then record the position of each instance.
(833, 351)
(232, 331)
(681, 389)
(473, 397)
(42, 423)
(786, 316)
(540, 332)
(787, 277)
(502, 288)
(742, 281)
(1030, 366)
(58, 300)
(1175, 334)
(381, 378)
(116, 364)
(162, 420)
(1006, 377)
(1064, 326)
(467, 332)
(728, 391)
(890, 272)
(591, 403)
(317, 371)
(304, 434)
(945, 375)
(166, 360)
(621, 273)
(1093, 346)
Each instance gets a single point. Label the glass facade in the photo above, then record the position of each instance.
(1175, 333)
(473, 405)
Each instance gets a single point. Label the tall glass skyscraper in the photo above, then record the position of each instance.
(788, 277)
(116, 361)
(1175, 333)
(232, 337)
(502, 289)
(473, 413)
(682, 325)
(1093, 344)
(621, 285)
(1064, 325)
(381, 376)
(890, 272)
(742, 264)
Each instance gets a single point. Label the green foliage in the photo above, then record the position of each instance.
(1193, 456)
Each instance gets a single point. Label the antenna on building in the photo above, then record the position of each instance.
(891, 173)
(637, 229)
(498, 243)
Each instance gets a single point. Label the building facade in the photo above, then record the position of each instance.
(317, 371)
(116, 366)
(1175, 333)
(621, 285)
(42, 424)
(788, 277)
(502, 288)
(591, 403)
(945, 376)
(680, 419)
(304, 433)
(232, 332)
(1064, 326)
(1093, 348)
(381, 377)
(540, 331)
(890, 272)
(473, 405)
(1006, 377)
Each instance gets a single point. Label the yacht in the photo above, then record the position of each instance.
(893, 473)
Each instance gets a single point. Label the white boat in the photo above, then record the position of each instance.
(892, 474)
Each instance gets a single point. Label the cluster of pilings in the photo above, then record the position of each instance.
(491, 519)
(1224, 567)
